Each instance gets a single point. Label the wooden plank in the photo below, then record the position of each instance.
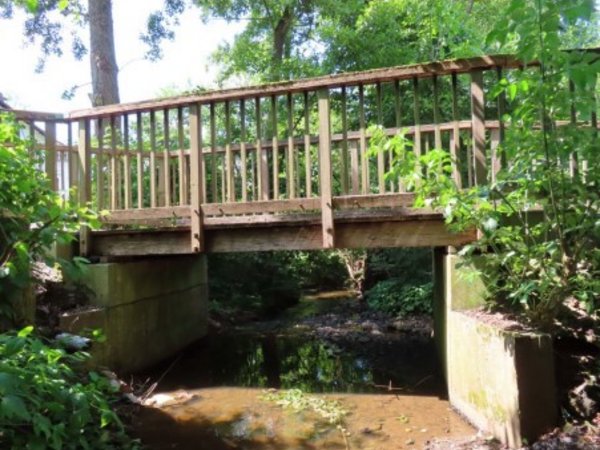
(455, 136)
(436, 114)
(140, 162)
(262, 207)
(262, 162)
(275, 149)
(229, 156)
(50, 154)
(380, 155)
(409, 233)
(181, 161)
(312, 84)
(114, 178)
(417, 118)
(213, 154)
(344, 156)
(128, 198)
(325, 180)
(291, 168)
(364, 174)
(153, 193)
(394, 200)
(307, 148)
(196, 182)
(166, 168)
(73, 164)
(84, 187)
(100, 165)
(243, 152)
(496, 164)
(478, 133)
(398, 111)
(354, 168)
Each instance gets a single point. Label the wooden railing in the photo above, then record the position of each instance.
(292, 146)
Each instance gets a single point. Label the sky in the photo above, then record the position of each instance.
(185, 63)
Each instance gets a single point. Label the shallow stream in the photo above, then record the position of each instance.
(214, 395)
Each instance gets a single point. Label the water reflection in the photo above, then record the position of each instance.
(275, 361)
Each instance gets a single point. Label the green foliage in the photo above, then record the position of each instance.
(539, 217)
(32, 215)
(47, 400)
(395, 297)
(268, 282)
(298, 401)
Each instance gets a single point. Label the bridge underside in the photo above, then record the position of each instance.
(400, 227)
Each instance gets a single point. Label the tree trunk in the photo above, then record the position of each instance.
(105, 85)
(280, 38)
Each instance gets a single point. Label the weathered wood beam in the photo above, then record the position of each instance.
(325, 178)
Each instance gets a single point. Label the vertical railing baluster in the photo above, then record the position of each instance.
(478, 127)
(114, 179)
(196, 182)
(83, 152)
(213, 154)
(398, 111)
(325, 185)
(307, 149)
(380, 155)
(363, 141)
(183, 182)
(50, 153)
(153, 200)
(243, 151)
(167, 158)
(262, 161)
(455, 136)
(100, 165)
(436, 114)
(230, 184)
(127, 162)
(140, 160)
(417, 118)
(344, 155)
(275, 149)
(501, 105)
(291, 172)
(73, 164)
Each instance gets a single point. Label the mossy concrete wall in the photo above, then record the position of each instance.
(148, 310)
(502, 381)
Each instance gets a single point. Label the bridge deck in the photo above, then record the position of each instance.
(279, 166)
(359, 228)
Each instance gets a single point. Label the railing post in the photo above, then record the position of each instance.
(84, 187)
(325, 170)
(50, 153)
(478, 127)
(196, 182)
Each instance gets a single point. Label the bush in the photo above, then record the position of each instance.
(395, 297)
(47, 400)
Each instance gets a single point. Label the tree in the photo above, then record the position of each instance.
(286, 39)
(539, 218)
(45, 25)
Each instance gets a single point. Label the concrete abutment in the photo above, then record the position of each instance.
(503, 381)
(147, 309)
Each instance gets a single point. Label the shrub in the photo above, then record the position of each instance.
(395, 297)
(47, 400)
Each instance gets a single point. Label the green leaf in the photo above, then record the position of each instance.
(13, 406)
(25, 332)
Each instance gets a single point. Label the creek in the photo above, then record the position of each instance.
(379, 378)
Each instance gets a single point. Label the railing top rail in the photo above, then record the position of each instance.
(386, 74)
(40, 116)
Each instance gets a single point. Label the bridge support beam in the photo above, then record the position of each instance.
(148, 309)
(501, 380)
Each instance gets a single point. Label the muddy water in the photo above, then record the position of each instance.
(213, 396)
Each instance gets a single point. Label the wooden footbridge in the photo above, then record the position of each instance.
(274, 167)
